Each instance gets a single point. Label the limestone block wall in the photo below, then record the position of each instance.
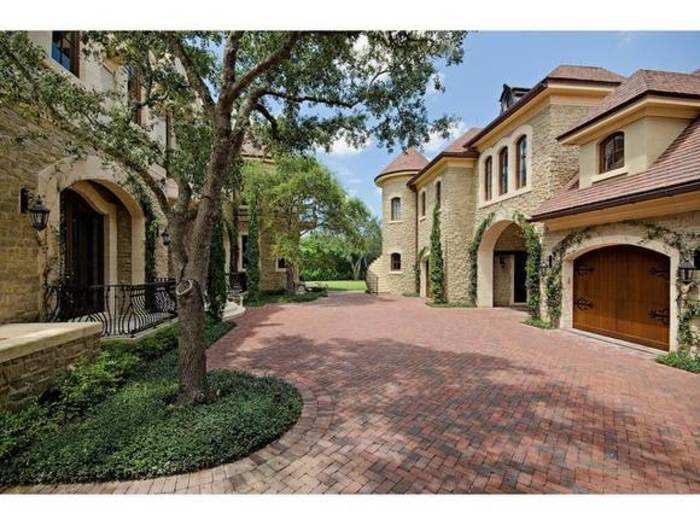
(29, 374)
(398, 237)
(503, 265)
(458, 193)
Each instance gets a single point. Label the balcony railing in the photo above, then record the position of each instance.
(123, 309)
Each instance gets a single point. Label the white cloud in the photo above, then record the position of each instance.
(354, 180)
(340, 147)
(438, 143)
(625, 38)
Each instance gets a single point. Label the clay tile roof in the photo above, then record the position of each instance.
(458, 145)
(642, 82)
(409, 160)
(585, 73)
(677, 170)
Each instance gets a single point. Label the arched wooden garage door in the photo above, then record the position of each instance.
(623, 292)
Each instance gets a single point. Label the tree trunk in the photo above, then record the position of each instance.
(192, 358)
(233, 244)
(291, 284)
(356, 268)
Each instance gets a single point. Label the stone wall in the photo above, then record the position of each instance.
(397, 237)
(503, 265)
(32, 374)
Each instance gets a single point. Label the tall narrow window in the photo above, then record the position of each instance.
(503, 171)
(244, 251)
(422, 204)
(488, 179)
(134, 95)
(438, 194)
(521, 162)
(612, 152)
(65, 49)
(395, 262)
(395, 209)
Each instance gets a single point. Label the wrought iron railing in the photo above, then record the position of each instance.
(123, 309)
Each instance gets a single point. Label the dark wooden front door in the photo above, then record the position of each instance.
(623, 292)
(83, 251)
(519, 277)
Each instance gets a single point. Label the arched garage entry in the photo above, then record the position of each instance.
(501, 266)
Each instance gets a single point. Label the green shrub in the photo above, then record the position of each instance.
(137, 432)
(682, 359)
(281, 296)
(538, 322)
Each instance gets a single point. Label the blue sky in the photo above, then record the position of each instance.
(520, 59)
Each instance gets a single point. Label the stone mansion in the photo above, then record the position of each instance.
(602, 170)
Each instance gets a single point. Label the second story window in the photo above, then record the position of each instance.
(612, 152)
(488, 179)
(133, 87)
(65, 49)
(422, 204)
(438, 194)
(503, 171)
(396, 209)
(521, 162)
(395, 262)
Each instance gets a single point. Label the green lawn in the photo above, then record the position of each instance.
(340, 286)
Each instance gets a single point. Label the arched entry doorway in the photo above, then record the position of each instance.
(622, 291)
(501, 266)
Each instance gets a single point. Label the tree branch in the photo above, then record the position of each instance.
(233, 42)
(260, 108)
(195, 80)
(308, 98)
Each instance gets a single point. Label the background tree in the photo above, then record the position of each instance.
(437, 263)
(299, 90)
(216, 277)
(324, 258)
(363, 237)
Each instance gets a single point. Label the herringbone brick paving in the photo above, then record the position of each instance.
(404, 398)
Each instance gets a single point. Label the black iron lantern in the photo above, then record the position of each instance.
(166, 237)
(39, 213)
(686, 269)
(546, 263)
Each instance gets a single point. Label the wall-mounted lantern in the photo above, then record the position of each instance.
(546, 263)
(166, 237)
(686, 269)
(32, 204)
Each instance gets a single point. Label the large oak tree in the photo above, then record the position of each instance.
(294, 90)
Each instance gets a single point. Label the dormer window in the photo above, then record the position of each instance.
(488, 179)
(612, 152)
(503, 171)
(521, 162)
(396, 209)
(65, 49)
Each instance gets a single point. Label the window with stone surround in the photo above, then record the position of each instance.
(488, 179)
(65, 49)
(521, 162)
(396, 209)
(503, 171)
(422, 204)
(395, 262)
(612, 152)
(134, 94)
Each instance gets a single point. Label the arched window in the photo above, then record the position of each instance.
(395, 262)
(503, 171)
(133, 87)
(438, 194)
(612, 152)
(488, 179)
(396, 209)
(521, 162)
(422, 203)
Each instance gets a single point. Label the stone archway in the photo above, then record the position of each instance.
(502, 286)
(606, 240)
(77, 174)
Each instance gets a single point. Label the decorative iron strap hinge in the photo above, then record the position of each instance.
(660, 316)
(582, 303)
(582, 269)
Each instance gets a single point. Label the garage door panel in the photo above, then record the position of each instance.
(623, 292)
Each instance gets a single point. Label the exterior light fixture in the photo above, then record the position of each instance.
(166, 237)
(546, 263)
(686, 269)
(33, 204)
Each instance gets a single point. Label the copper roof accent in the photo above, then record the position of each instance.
(409, 160)
(564, 73)
(455, 149)
(676, 171)
(642, 82)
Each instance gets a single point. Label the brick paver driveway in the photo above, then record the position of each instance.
(401, 397)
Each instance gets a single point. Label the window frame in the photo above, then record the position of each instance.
(423, 203)
(133, 93)
(602, 158)
(394, 217)
(243, 250)
(392, 257)
(503, 171)
(488, 178)
(521, 162)
(438, 194)
(73, 39)
(277, 264)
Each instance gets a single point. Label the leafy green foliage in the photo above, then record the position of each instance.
(416, 269)
(538, 322)
(683, 359)
(280, 297)
(137, 433)
(253, 251)
(87, 384)
(437, 263)
(216, 276)
(323, 258)
(533, 247)
(474, 256)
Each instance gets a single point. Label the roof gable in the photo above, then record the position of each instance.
(409, 160)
